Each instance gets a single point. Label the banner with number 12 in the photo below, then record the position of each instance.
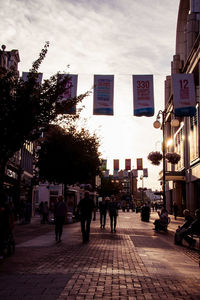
(184, 95)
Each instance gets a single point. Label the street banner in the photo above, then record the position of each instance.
(139, 164)
(25, 77)
(116, 164)
(127, 164)
(103, 94)
(70, 92)
(184, 95)
(103, 164)
(135, 172)
(145, 172)
(143, 95)
(106, 173)
(115, 174)
(125, 174)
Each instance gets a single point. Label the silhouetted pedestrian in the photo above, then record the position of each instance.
(103, 212)
(59, 217)
(175, 209)
(86, 207)
(113, 213)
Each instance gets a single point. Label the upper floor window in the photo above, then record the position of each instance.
(194, 136)
(179, 147)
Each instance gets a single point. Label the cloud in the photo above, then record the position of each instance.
(120, 37)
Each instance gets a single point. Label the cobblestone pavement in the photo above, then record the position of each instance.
(133, 263)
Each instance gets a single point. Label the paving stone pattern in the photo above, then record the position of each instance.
(133, 263)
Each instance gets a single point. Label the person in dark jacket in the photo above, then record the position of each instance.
(175, 210)
(181, 229)
(59, 216)
(113, 212)
(194, 228)
(145, 213)
(103, 212)
(86, 206)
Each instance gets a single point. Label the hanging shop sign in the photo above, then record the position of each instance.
(103, 94)
(143, 95)
(184, 95)
(135, 172)
(145, 172)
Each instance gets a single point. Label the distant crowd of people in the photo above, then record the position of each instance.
(86, 211)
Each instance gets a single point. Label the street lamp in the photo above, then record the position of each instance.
(157, 124)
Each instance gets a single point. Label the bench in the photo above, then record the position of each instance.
(197, 236)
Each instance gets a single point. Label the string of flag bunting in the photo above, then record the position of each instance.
(139, 162)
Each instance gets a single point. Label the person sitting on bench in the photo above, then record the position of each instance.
(194, 228)
(163, 221)
(181, 229)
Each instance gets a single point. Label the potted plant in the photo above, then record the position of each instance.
(173, 157)
(155, 157)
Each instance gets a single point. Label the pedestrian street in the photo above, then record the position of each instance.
(133, 263)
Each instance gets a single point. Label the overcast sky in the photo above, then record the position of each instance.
(116, 37)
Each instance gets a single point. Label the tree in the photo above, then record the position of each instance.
(26, 107)
(68, 156)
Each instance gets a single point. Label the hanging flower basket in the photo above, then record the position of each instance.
(173, 157)
(155, 157)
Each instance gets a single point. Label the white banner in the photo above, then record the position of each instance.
(184, 94)
(71, 90)
(143, 95)
(25, 75)
(103, 94)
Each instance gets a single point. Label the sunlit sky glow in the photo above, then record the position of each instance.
(116, 37)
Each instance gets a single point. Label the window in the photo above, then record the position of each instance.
(193, 137)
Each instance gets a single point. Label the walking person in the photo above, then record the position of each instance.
(59, 216)
(45, 213)
(103, 212)
(86, 207)
(113, 213)
(175, 209)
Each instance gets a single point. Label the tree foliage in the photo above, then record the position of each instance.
(27, 106)
(109, 187)
(68, 156)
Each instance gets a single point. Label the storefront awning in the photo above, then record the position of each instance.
(173, 176)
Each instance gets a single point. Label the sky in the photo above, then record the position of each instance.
(101, 37)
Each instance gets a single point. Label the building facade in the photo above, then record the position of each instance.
(183, 179)
(19, 169)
